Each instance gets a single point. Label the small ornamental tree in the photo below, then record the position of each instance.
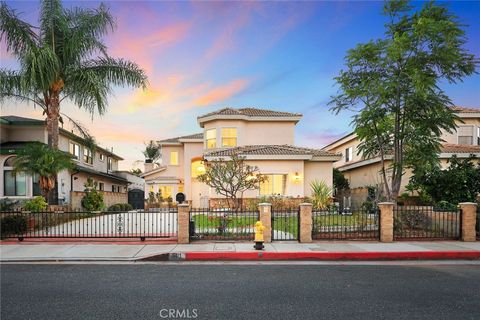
(231, 178)
(93, 199)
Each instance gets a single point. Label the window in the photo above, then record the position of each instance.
(174, 158)
(275, 184)
(229, 137)
(166, 191)
(211, 138)
(13, 184)
(348, 154)
(74, 149)
(197, 168)
(102, 157)
(478, 136)
(465, 135)
(114, 188)
(87, 156)
(109, 164)
(36, 185)
(101, 186)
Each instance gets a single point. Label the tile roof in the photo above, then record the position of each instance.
(459, 148)
(270, 150)
(465, 109)
(17, 119)
(198, 136)
(251, 112)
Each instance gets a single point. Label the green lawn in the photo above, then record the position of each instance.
(342, 220)
(202, 221)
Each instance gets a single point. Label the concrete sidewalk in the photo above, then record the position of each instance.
(238, 251)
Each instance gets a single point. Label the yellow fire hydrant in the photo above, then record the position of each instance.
(259, 228)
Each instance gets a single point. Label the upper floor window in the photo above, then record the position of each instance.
(109, 164)
(101, 186)
(102, 157)
(465, 135)
(174, 158)
(478, 136)
(74, 149)
(211, 138)
(349, 154)
(229, 137)
(275, 184)
(87, 156)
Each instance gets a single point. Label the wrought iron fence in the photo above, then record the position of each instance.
(285, 224)
(425, 222)
(158, 223)
(345, 224)
(222, 224)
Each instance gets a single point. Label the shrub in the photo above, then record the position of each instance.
(13, 225)
(93, 199)
(36, 204)
(411, 219)
(120, 207)
(321, 194)
(7, 204)
(445, 205)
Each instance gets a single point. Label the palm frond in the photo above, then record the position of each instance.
(119, 72)
(12, 87)
(17, 34)
(40, 68)
(86, 90)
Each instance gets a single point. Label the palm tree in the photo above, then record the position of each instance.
(63, 59)
(38, 158)
(152, 152)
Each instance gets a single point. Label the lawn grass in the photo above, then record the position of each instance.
(203, 221)
(342, 220)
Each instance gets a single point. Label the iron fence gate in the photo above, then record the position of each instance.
(157, 223)
(345, 224)
(285, 224)
(425, 222)
(222, 224)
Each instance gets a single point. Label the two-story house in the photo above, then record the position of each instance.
(362, 172)
(101, 165)
(265, 138)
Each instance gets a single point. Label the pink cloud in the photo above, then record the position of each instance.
(222, 92)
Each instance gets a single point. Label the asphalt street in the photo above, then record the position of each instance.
(158, 291)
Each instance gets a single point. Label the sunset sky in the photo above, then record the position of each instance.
(202, 56)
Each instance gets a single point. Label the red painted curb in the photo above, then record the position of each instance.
(333, 256)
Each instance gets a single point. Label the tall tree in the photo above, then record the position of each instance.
(231, 177)
(395, 84)
(38, 158)
(63, 59)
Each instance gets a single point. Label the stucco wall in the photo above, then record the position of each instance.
(173, 170)
(109, 198)
(321, 171)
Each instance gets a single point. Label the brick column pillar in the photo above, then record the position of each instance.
(305, 222)
(469, 218)
(266, 219)
(386, 221)
(183, 223)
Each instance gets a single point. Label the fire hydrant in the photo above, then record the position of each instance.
(259, 228)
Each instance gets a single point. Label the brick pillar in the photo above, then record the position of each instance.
(266, 219)
(386, 221)
(183, 223)
(469, 218)
(305, 222)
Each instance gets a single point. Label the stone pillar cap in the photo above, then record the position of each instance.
(470, 203)
(386, 202)
(264, 204)
(306, 204)
(183, 205)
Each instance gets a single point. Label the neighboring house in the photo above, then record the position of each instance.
(264, 137)
(363, 173)
(101, 166)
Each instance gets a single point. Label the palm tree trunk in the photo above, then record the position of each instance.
(53, 115)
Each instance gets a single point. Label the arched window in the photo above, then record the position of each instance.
(14, 184)
(197, 168)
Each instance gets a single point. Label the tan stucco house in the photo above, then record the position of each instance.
(265, 138)
(363, 173)
(102, 166)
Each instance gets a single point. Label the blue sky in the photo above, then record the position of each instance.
(202, 56)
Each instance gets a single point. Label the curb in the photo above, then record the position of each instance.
(327, 256)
